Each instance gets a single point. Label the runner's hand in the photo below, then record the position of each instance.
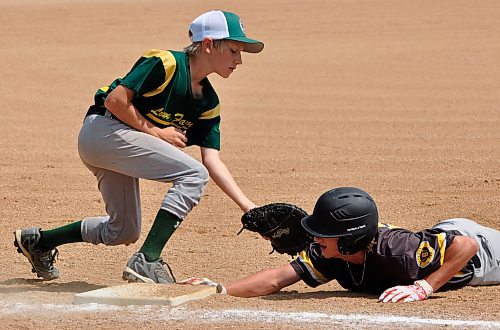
(204, 281)
(420, 290)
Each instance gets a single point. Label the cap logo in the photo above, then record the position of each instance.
(425, 254)
(241, 26)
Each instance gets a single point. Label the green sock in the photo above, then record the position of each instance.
(70, 233)
(163, 227)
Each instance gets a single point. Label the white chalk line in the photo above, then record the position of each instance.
(181, 313)
(263, 316)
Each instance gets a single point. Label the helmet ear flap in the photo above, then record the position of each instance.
(345, 245)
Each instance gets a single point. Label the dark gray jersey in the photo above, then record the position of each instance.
(399, 257)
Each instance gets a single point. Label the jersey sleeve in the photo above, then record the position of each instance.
(312, 268)
(151, 73)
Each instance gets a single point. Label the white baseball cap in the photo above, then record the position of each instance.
(219, 25)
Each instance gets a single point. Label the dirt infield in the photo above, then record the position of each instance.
(400, 98)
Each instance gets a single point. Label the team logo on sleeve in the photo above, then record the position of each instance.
(425, 254)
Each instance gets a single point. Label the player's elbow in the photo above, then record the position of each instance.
(112, 103)
(470, 245)
(465, 247)
(118, 99)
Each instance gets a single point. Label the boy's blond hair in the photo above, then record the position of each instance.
(195, 47)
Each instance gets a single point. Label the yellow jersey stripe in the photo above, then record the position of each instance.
(215, 112)
(442, 246)
(386, 225)
(169, 65)
(104, 89)
(306, 261)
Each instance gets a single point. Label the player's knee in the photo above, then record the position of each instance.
(123, 237)
(187, 190)
(131, 238)
(198, 179)
(202, 174)
(202, 180)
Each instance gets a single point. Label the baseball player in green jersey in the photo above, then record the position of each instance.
(363, 255)
(136, 129)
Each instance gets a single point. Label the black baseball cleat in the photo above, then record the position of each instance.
(42, 262)
(138, 269)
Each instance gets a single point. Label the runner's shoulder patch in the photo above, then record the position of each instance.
(425, 254)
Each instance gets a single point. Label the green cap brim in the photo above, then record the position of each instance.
(251, 45)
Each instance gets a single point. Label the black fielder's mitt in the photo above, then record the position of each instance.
(280, 222)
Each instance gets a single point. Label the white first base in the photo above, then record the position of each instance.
(144, 294)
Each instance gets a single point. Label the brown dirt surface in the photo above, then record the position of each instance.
(400, 98)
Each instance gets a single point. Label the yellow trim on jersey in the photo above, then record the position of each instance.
(386, 225)
(215, 112)
(104, 89)
(169, 65)
(442, 246)
(306, 261)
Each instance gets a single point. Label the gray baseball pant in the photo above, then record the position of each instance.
(489, 248)
(119, 156)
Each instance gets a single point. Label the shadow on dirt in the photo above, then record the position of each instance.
(292, 295)
(18, 285)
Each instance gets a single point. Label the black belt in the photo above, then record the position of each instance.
(101, 111)
(96, 110)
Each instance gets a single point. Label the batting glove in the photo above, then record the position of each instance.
(420, 290)
(204, 281)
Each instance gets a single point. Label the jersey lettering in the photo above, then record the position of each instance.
(161, 114)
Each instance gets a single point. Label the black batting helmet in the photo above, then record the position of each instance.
(348, 213)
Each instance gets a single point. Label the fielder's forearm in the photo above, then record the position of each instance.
(119, 103)
(223, 178)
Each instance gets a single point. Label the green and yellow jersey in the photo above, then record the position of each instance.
(161, 82)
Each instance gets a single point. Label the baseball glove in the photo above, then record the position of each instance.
(280, 222)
